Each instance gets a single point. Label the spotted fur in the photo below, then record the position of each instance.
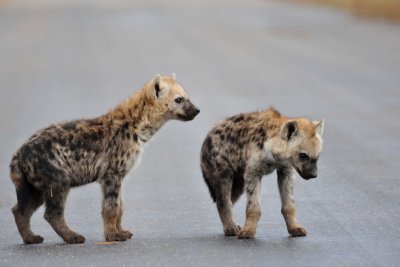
(102, 150)
(241, 149)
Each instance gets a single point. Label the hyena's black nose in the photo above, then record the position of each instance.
(197, 110)
(313, 175)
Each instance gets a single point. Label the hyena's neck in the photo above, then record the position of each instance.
(141, 112)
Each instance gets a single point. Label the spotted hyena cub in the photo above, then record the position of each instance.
(101, 150)
(240, 150)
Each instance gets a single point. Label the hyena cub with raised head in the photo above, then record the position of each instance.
(79, 152)
(240, 150)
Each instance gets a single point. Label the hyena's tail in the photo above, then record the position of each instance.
(25, 191)
(206, 166)
(210, 188)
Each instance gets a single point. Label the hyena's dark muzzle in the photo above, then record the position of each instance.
(190, 111)
(308, 171)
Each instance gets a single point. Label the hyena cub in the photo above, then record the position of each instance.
(240, 150)
(102, 149)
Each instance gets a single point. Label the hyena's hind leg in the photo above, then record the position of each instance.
(285, 183)
(54, 214)
(22, 217)
(220, 184)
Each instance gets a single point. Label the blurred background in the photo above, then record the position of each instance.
(334, 59)
(382, 9)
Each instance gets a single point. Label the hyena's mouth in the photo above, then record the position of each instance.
(185, 117)
(304, 175)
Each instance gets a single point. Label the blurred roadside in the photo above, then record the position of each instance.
(3, 2)
(385, 9)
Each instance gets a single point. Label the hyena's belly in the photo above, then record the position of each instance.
(65, 168)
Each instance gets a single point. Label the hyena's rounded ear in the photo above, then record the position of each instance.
(289, 129)
(157, 85)
(173, 76)
(319, 127)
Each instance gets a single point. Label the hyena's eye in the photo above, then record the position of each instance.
(178, 100)
(304, 157)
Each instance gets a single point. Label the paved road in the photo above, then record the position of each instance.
(61, 60)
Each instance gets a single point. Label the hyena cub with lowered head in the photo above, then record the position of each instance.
(240, 150)
(79, 152)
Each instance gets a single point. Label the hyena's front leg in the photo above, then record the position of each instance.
(112, 210)
(119, 218)
(253, 210)
(54, 214)
(285, 183)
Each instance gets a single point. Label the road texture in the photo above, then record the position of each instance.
(62, 60)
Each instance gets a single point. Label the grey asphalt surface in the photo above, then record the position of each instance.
(61, 60)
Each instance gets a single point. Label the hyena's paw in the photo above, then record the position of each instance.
(299, 231)
(116, 236)
(247, 233)
(232, 230)
(35, 239)
(75, 239)
(127, 233)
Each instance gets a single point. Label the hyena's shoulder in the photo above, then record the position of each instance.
(80, 132)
